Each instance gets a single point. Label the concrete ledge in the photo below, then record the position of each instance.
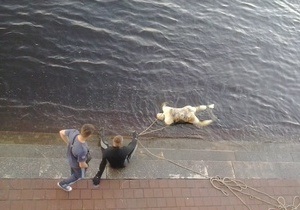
(224, 159)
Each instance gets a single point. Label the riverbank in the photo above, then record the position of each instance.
(174, 175)
(196, 158)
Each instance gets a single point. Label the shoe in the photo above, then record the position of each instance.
(96, 181)
(65, 187)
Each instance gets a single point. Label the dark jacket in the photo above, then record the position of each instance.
(116, 156)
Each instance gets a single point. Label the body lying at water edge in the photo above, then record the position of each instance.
(186, 114)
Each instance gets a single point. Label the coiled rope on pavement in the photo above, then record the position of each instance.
(229, 185)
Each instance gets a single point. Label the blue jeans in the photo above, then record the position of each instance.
(75, 176)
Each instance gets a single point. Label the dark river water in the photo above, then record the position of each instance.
(113, 63)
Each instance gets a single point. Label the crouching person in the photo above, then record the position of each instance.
(117, 155)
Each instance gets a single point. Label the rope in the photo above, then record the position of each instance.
(171, 161)
(154, 130)
(148, 127)
(228, 184)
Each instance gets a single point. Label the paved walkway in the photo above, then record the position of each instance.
(268, 171)
(37, 194)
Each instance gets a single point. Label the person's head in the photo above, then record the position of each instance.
(118, 141)
(160, 116)
(87, 130)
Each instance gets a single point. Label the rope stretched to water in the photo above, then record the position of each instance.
(145, 131)
(225, 184)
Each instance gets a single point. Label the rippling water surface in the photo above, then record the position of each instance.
(113, 63)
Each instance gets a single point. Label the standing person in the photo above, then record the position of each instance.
(117, 155)
(77, 153)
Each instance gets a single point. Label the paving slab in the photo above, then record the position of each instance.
(39, 151)
(29, 173)
(204, 159)
(296, 156)
(185, 154)
(262, 156)
(266, 170)
(163, 194)
(19, 167)
(163, 169)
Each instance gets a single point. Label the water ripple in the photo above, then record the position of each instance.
(114, 63)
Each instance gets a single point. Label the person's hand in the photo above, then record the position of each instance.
(96, 180)
(134, 134)
(83, 165)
